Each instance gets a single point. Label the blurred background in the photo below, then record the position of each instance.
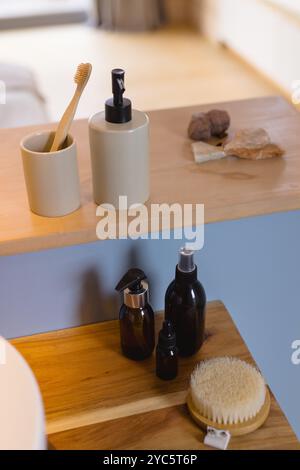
(175, 52)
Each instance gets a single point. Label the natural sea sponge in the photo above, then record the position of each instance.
(199, 127)
(203, 126)
(220, 122)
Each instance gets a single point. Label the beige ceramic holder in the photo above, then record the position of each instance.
(239, 429)
(51, 178)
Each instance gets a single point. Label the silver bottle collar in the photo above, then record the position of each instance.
(139, 300)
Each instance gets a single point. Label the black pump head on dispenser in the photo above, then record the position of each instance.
(186, 261)
(118, 109)
(134, 288)
(186, 270)
(132, 280)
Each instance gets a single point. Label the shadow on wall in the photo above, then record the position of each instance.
(96, 305)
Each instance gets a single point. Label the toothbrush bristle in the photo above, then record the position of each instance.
(82, 73)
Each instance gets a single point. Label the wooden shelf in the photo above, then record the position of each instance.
(229, 188)
(97, 399)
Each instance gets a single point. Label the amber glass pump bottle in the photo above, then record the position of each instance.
(136, 316)
(185, 303)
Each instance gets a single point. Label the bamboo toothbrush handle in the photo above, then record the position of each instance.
(66, 121)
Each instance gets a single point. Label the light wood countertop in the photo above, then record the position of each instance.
(97, 399)
(229, 188)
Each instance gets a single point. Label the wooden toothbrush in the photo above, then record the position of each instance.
(81, 78)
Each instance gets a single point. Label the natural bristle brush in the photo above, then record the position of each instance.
(228, 394)
(81, 78)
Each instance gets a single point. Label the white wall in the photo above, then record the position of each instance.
(290, 5)
(266, 36)
(30, 13)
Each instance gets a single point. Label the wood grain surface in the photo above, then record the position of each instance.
(229, 188)
(97, 399)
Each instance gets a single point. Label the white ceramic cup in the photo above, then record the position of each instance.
(52, 179)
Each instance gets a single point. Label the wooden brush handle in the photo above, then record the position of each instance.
(238, 429)
(66, 121)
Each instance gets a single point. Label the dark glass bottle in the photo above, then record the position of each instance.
(185, 304)
(136, 316)
(167, 353)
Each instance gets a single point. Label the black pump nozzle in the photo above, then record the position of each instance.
(132, 280)
(118, 109)
(186, 261)
(117, 77)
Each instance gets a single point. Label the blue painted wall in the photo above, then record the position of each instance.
(252, 265)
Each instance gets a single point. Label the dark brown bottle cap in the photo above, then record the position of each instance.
(167, 336)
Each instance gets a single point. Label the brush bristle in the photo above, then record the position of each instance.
(82, 73)
(227, 390)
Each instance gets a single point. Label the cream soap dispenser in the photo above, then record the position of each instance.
(119, 145)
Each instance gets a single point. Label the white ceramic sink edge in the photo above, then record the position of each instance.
(22, 417)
